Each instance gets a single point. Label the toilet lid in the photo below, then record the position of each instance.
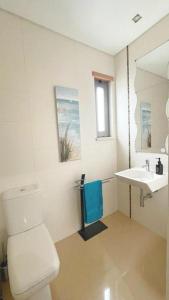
(32, 257)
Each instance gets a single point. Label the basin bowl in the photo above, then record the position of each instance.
(143, 179)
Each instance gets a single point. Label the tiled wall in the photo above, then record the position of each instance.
(32, 61)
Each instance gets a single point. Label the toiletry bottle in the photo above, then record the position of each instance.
(159, 167)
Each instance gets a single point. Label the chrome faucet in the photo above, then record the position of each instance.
(147, 165)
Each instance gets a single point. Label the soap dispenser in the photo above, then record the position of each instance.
(159, 167)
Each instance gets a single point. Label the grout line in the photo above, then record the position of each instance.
(129, 129)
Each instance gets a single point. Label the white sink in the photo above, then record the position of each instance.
(143, 179)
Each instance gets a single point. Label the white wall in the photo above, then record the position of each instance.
(32, 61)
(155, 213)
(122, 127)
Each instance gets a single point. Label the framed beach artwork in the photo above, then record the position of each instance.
(145, 125)
(68, 121)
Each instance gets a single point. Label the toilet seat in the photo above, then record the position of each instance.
(32, 261)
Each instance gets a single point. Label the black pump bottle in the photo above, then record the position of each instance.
(159, 167)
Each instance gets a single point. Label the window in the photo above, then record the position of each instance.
(102, 108)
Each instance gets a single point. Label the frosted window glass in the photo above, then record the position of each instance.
(100, 109)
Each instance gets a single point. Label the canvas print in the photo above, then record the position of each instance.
(145, 125)
(68, 120)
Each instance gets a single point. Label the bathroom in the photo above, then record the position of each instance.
(128, 260)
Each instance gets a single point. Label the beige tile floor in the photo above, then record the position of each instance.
(125, 262)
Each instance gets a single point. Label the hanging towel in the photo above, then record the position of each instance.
(93, 201)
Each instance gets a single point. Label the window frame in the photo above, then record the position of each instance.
(105, 84)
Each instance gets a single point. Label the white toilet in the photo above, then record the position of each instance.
(32, 258)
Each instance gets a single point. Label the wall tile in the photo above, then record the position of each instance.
(15, 107)
(16, 151)
(12, 64)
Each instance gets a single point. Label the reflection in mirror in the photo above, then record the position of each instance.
(152, 90)
(145, 122)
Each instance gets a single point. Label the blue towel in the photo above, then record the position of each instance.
(93, 201)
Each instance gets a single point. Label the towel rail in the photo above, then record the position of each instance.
(80, 186)
(91, 230)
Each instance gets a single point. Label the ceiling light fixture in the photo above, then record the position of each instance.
(137, 18)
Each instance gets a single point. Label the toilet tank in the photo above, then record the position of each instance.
(22, 208)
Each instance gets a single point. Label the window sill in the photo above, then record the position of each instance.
(103, 139)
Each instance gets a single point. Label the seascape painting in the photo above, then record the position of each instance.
(68, 123)
(145, 125)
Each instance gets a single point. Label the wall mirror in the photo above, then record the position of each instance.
(152, 90)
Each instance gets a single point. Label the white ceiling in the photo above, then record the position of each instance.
(157, 61)
(102, 24)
